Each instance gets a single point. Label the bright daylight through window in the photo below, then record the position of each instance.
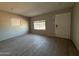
(39, 25)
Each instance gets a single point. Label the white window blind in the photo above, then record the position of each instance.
(39, 25)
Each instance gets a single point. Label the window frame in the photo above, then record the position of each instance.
(39, 28)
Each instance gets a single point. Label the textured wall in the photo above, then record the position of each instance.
(7, 29)
(75, 25)
(50, 22)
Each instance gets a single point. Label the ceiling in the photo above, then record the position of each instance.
(33, 8)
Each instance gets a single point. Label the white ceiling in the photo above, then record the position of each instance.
(33, 8)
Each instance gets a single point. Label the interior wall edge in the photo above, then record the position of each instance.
(75, 26)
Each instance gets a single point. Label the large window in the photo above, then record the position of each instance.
(39, 25)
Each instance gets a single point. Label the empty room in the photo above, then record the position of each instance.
(39, 28)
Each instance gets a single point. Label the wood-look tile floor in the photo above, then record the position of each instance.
(36, 45)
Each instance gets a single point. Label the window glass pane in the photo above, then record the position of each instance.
(39, 25)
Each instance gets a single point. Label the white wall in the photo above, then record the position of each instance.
(75, 25)
(7, 30)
